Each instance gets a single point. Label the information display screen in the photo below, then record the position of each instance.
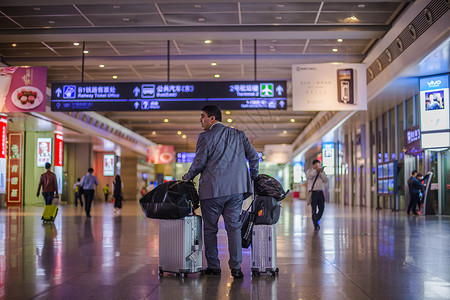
(129, 96)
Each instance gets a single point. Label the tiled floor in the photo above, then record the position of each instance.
(358, 254)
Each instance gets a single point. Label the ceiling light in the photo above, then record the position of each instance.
(198, 6)
(274, 41)
(126, 19)
(166, 120)
(208, 42)
(292, 120)
(340, 40)
(278, 18)
(37, 8)
(202, 19)
(353, 18)
(76, 44)
(228, 112)
(115, 77)
(213, 64)
(361, 5)
(101, 66)
(272, 49)
(14, 45)
(51, 22)
(179, 132)
(183, 136)
(335, 50)
(86, 51)
(116, 6)
(281, 5)
(284, 131)
(217, 75)
(153, 132)
(230, 120)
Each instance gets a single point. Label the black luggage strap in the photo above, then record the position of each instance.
(315, 179)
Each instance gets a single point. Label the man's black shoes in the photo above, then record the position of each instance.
(211, 271)
(237, 273)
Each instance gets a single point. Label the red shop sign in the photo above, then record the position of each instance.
(3, 123)
(58, 149)
(15, 168)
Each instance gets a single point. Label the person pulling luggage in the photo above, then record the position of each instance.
(49, 185)
(225, 182)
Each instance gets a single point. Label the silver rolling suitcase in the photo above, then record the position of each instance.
(180, 246)
(264, 250)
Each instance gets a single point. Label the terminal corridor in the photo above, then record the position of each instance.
(358, 253)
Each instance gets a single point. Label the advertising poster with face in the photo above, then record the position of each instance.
(22, 89)
(44, 151)
(108, 165)
(161, 154)
(325, 87)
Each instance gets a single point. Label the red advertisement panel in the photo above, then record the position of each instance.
(15, 168)
(161, 154)
(22, 88)
(58, 149)
(3, 123)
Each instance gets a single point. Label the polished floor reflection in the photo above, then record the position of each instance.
(359, 253)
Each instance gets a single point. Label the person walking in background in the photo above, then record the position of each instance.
(117, 194)
(77, 190)
(49, 185)
(106, 192)
(415, 186)
(225, 183)
(316, 180)
(88, 183)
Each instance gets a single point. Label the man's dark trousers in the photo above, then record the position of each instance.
(48, 197)
(230, 208)
(415, 199)
(88, 197)
(317, 202)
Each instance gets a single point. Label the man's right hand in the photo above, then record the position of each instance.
(37, 194)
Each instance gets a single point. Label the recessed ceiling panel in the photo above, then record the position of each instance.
(52, 21)
(360, 6)
(278, 18)
(197, 7)
(117, 9)
(354, 18)
(126, 20)
(6, 23)
(202, 19)
(280, 7)
(39, 10)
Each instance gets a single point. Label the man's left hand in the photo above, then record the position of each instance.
(184, 177)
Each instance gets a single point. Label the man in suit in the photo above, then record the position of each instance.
(224, 184)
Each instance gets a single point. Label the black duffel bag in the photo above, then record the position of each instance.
(170, 200)
(267, 210)
(266, 185)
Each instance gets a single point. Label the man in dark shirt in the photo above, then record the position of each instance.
(415, 186)
(49, 185)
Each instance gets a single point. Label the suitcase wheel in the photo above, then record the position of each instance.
(184, 275)
(160, 272)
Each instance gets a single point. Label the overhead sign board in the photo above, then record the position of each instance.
(325, 87)
(435, 111)
(132, 96)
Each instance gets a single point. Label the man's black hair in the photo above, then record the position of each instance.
(90, 170)
(213, 110)
(413, 172)
(48, 165)
(316, 161)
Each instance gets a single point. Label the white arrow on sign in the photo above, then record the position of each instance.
(136, 105)
(58, 92)
(136, 91)
(280, 90)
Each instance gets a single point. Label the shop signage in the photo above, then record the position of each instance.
(412, 141)
(43, 151)
(161, 154)
(325, 87)
(15, 168)
(23, 89)
(59, 154)
(3, 145)
(138, 96)
(435, 111)
(108, 164)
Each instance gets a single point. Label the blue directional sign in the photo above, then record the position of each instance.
(144, 96)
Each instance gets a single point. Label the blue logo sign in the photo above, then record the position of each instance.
(69, 92)
(435, 82)
(148, 91)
